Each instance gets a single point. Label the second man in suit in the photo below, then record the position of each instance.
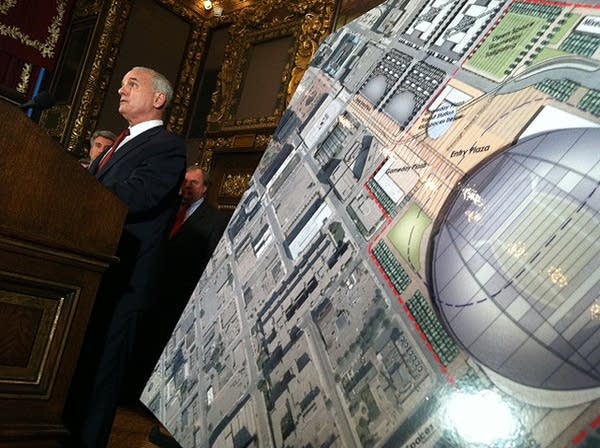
(193, 238)
(191, 245)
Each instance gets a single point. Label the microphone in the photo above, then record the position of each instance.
(42, 101)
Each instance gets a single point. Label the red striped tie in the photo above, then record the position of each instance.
(124, 133)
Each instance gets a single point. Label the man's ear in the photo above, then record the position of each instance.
(160, 99)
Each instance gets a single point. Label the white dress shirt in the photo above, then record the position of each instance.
(137, 129)
(193, 207)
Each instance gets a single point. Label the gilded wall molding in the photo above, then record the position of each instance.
(178, 7)
(99, 73)
(308, 22)
(83, 9)
(202, 24)
(260, 142)
(224, 144)
(315, 27)
(6, 6)
(206, 158)
(219, 143)
(54, 120)
(47, 47)
(190, 69)
(231, 77)
(189, 72)
(235, 184)
(23, 85)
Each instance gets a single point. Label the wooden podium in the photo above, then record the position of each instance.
(59, 230)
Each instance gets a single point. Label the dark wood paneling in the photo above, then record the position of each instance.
(18, 336)
(59, 229)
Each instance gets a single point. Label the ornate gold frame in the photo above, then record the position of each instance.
(55, 119)
(100, 73)
(83, 9)
(190, 69)
(230, 83)
(308, 22)
(232, 187)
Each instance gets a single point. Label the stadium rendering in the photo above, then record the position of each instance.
(514, 262)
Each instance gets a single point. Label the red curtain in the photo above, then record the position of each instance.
(31, 32)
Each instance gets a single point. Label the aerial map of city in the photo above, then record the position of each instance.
(417, 260)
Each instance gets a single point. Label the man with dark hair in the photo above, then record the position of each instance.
(144, 168)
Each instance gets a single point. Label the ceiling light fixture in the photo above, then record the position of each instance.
(207, 4)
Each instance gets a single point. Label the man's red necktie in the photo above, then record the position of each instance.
(124, 133)
(179, 219)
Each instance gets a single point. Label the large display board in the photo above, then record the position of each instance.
(417, 261)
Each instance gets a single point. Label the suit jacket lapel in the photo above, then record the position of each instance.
(93, 168)
(196, 216)
(129, 147)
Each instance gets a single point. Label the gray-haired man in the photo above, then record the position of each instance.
(100, 141)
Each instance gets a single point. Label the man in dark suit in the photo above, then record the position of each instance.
(144, 168)
(190, 247)
(197, 230)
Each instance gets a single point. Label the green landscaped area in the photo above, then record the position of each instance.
(407, 235)
(548, 53)
(551, 53)
(505, 45)
(564, 29)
